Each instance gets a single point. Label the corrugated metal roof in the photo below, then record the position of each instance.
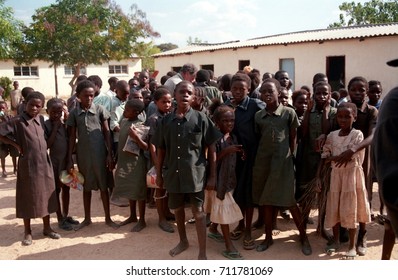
(352, 32)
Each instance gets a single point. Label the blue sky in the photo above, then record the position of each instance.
(218, 20)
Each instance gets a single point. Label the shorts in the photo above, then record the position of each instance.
(177, 200)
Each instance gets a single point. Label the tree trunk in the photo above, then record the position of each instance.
(56, 80)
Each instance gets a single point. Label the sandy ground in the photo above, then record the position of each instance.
(100, 242)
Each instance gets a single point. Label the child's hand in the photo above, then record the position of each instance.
(311, 103)
(110, 162)
(211, 183)
(69, 166)
(319, 142)
(344, 158)
(326, 106)
(133, 133)
(66, 112)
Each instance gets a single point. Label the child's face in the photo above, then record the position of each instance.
(269, 93)
(86, 97)
(345, 118)
(130, 113)
(164, 104)
(321, 95)
(136, 95)
(284, 79)
(357, 91)
(283, 97)
(123, 92)
(147, 98)
(55, 111)
(3, 107)
(226, 122)
(33, 107)
(184, 95)
(374, 93)
(239, 90)
(301, 104)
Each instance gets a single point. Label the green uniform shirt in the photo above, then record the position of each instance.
(185, 141)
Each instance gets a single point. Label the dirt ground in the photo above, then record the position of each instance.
(100, 242)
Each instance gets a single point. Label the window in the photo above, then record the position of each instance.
(118, 69)
(243, 64)
(176, 68)
(69, 71)
(335, 70)
(26, 71)
(287, 64)
(208, 67)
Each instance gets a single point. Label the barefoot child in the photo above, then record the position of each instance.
(89, 123)
(181, 140)
(35, 188)
(347, 203)
(162, 99)
(57, 143)
(273, 172)
(219, 201)
(6, 149)
(130, 175)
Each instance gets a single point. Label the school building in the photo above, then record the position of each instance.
(40, 76)
(340, 53)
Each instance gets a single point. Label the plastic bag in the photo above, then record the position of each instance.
(74, 180)
(151, 178)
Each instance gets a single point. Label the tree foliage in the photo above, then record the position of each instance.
(195, 41)
(166, 47)
(372, 12)
(9, 31)
(82, 32)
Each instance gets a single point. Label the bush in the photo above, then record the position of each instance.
(6, 83)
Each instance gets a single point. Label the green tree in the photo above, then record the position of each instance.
(9, 31)
(82, 32)
(166, 47)
(372, 12)
(6, 83)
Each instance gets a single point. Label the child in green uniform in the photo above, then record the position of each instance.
(273, 172)
(89, 122)
(181, 140)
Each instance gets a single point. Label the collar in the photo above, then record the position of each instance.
(187, 115)
(28, 119)
(264, 113)
(245, 103)
(92, 109)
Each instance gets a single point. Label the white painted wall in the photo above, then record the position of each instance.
(45, 82)
(363, 58)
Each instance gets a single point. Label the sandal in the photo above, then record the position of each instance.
(52, 234)
(234, 255)
(216, 236)
(331, 248)
(249, 244)
(236, 234)
(71, 221)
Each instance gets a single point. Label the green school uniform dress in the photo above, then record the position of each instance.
(273, 171)
(130, 175)
(91, 150)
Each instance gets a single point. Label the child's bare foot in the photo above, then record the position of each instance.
(165, 226)
(52, 234)
(4, 175)
(139, 226)
(83, 224)
(112, 224)
(264, 245)
(27, 240)
(129, 221)
(181, 247)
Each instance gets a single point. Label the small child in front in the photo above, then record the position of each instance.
(181, 140)
(219, 201)
(347, 204)
(130, 175)
(6, 149)
(35, 188)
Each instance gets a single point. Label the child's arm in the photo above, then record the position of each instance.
(161, 153)
(229, 150)
(212, 160)
(107, 136)
(306, 120)
(7, 140)
(152, 151)
(346, 156)
(53, 134)
(292, 139)
(71, 147)
(137, 139)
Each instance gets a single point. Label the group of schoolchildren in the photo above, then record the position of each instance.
(228, 148)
